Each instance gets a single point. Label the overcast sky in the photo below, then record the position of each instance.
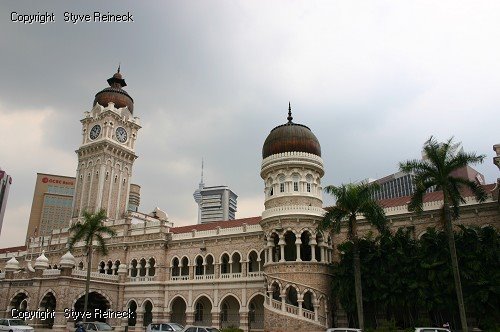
(372, 79)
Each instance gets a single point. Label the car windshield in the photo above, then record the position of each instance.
(176, 327)
(17, 322)
(155, 327)
(103, 327)
(212, 329)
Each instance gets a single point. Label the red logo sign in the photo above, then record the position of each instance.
(49, 180)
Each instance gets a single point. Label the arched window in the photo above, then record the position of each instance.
(210, 265)
(80, 266)
(282, 183)
(199, 266)
(224, 264)
(109, 267)
(309, 180)
(198, 314)
(133, 268)
(142, 267)
(102, 266)
(116, 266)
(184, 266)
(152, 268)
(290, 247)
(291, 296)
(236, 263)
(295, 179)
(175, 267)
(305, 247)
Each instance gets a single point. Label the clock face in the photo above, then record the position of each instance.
(121, 134)
(95, 131)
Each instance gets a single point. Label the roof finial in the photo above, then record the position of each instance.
(119, 64)
(289, 118)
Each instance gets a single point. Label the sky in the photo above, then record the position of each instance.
(210, 79)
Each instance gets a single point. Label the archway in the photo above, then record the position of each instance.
(305, 247)
(148, 313)
(290, 247)
(256, 313)
(132, 320)
(19, 302)
(291, 296)
(203, 311)
(96, 301)
(230, 312)
(48, 303)
(178, 314)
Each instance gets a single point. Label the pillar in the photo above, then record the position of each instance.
(298, 242)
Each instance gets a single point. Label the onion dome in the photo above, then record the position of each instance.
(115, 93)
(291, 137)
(12, 265)
(67, 261)
(42, 262)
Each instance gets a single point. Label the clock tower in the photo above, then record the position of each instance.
(107, 152)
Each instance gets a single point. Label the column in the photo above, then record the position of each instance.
(244, 268)
(244, 323)
(269, 296)
(300, 301)
(281, 243)
(283, 302)
(147, 269)
(189, 317)
(298, 242)
(316, 308)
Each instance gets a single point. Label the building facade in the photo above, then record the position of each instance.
(267, 273)
(5, 182)
(51, 206)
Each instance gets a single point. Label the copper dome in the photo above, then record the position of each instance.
(114, 93)
(291, 137)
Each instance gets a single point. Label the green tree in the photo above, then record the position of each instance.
(353, 200)
(437, 170)
(89, 229)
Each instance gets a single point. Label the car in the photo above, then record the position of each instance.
(342, 329)
(200, 329)
(14, 324)
(164, 327)
(97, 326)
(431, 329)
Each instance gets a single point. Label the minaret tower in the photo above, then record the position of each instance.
(107, 152)
(297, 254)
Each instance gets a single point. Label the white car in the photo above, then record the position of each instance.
(14, 324)
(342, 329)
(431, 329)
(200, 329)
(153, 327)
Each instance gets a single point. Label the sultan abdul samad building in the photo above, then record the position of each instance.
(267, 273)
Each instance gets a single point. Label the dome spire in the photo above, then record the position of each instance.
(119, 64)
(290, 117)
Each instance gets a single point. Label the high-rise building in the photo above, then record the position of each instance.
(51, 206)
(214, 203)
(5, 182)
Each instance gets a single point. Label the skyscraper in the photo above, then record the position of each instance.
(5, 182)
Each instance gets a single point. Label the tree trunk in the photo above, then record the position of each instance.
(357, 283)
(87, 282)
(454, 263)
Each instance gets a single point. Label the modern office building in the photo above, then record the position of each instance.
(5, 182)
(215, 203)
(52, 204)
(401, 184)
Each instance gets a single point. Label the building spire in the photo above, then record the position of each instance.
(201, 182)
(289, 118)
(119, 64)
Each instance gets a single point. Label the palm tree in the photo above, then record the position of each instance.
(436, 170)
(353, 200)
(90, 229)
